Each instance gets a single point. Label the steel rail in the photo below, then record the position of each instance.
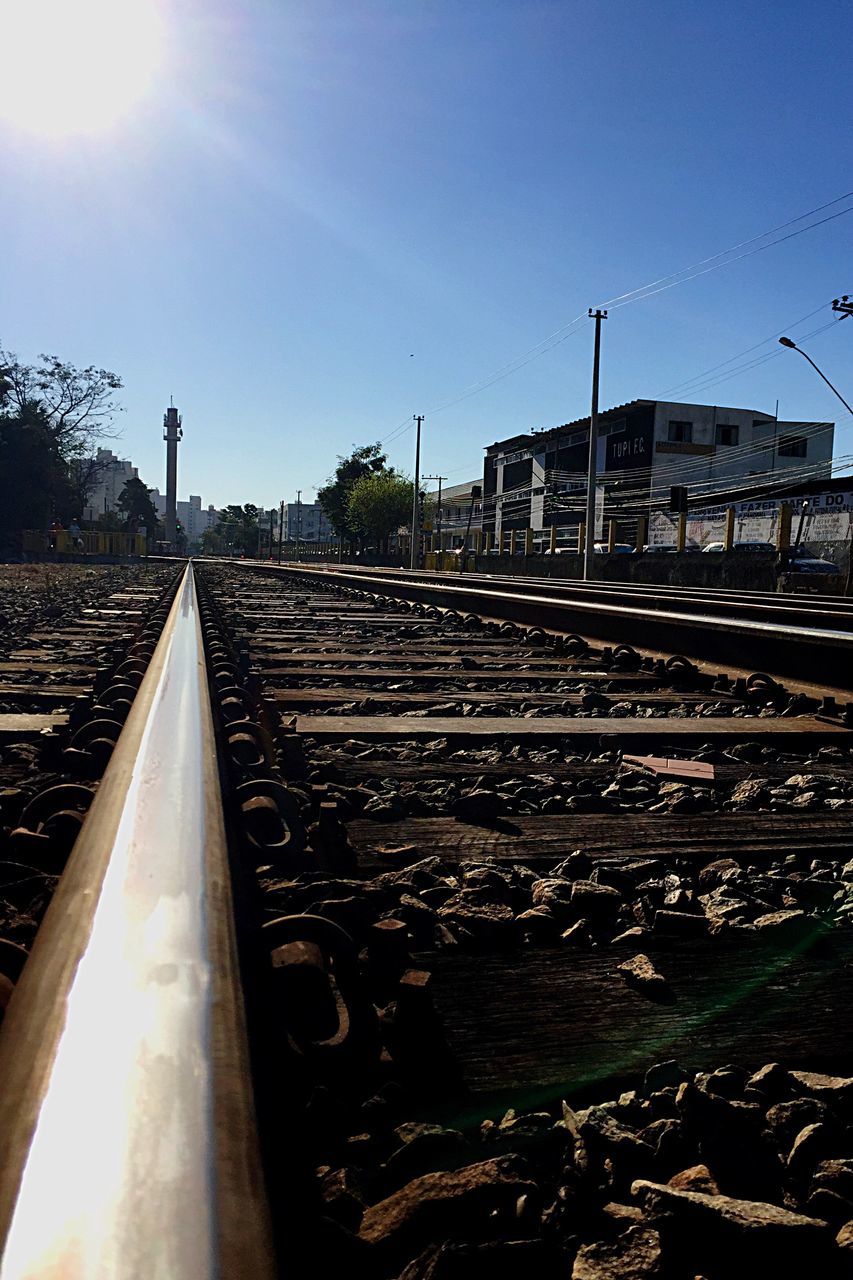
(832, 612)
(759, 607)
(128, 1145)
(818, 655)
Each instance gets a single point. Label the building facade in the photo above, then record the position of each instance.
(104, 478)
(307, 522)
(538, 479)
(193, 518)
(457, 504)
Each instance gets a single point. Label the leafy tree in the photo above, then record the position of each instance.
(212, 542)
(378, 504)
(33, 482)
(238, 526)
(135, 505)
(110, 522)
(334, 495)
(51, 413)
(77, 405)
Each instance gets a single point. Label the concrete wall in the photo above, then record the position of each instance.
(746, 573)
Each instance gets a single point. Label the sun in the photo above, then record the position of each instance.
(76, 66)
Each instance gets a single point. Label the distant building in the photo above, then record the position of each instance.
(307, 522)
(456, 505)
(538, 478)
(104, 478)
(193, 518)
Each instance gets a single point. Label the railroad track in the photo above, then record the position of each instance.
(403, 936)
(792, 635)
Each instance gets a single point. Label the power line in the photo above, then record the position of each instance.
(772, 338)
(662, 283)
(623, 298)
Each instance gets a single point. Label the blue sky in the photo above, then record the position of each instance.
(327, 216)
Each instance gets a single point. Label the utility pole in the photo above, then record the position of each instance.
(280, 528)
(298, 519)
(272, 523)
(589, 540)
(844, 305)
(438, 509)
(416, 505)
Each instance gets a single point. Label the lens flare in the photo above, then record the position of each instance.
(76, 66)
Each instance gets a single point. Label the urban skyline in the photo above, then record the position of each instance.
(368, 264)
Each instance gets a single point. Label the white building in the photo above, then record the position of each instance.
(538, 478)
(105, 476)
(307, 522)
(456, 505)
(193, 518)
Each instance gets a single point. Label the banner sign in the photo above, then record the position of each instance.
(828, 517)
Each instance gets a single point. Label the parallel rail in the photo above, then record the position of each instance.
(128, 1144)
(746, 635)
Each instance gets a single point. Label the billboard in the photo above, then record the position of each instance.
(828, 517)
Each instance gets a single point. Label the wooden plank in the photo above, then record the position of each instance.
(347, 767)
(43, 692)
(663, 767)
(49, 654)
(96, 614)
(490, 664)
(630, 680)
(695, 728)
(15, 727)
(352, 693)
(547, 839)
(562, 1020)
(419, 648)
(46, 666)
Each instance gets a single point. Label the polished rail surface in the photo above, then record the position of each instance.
(827, 612)
(127, 1137)
(782, 647)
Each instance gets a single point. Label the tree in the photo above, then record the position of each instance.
(77, 405)
(378, 504)
(334, 495)
(32, 479)
(212, 542)
(110, 522)
(238, 526)
(135, 505)
(50, 415)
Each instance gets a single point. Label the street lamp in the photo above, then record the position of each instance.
(787, 342)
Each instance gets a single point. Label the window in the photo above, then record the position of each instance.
(793, 447)
(725, 434)
(680, 433)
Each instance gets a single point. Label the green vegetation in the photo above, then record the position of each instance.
(379, 503)
(51, 413)
(335, 493)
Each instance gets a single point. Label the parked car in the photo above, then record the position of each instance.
(619, 548)
(765, 547)
(670, 548)
(800, 560)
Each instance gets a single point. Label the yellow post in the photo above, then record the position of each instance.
(512, 542)
(729, 535)
(783, 532)
(581, 537)
(528, 542)
(611, 535)
(478, 542)
(642, 531)
(681, 535)
(553, 539)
